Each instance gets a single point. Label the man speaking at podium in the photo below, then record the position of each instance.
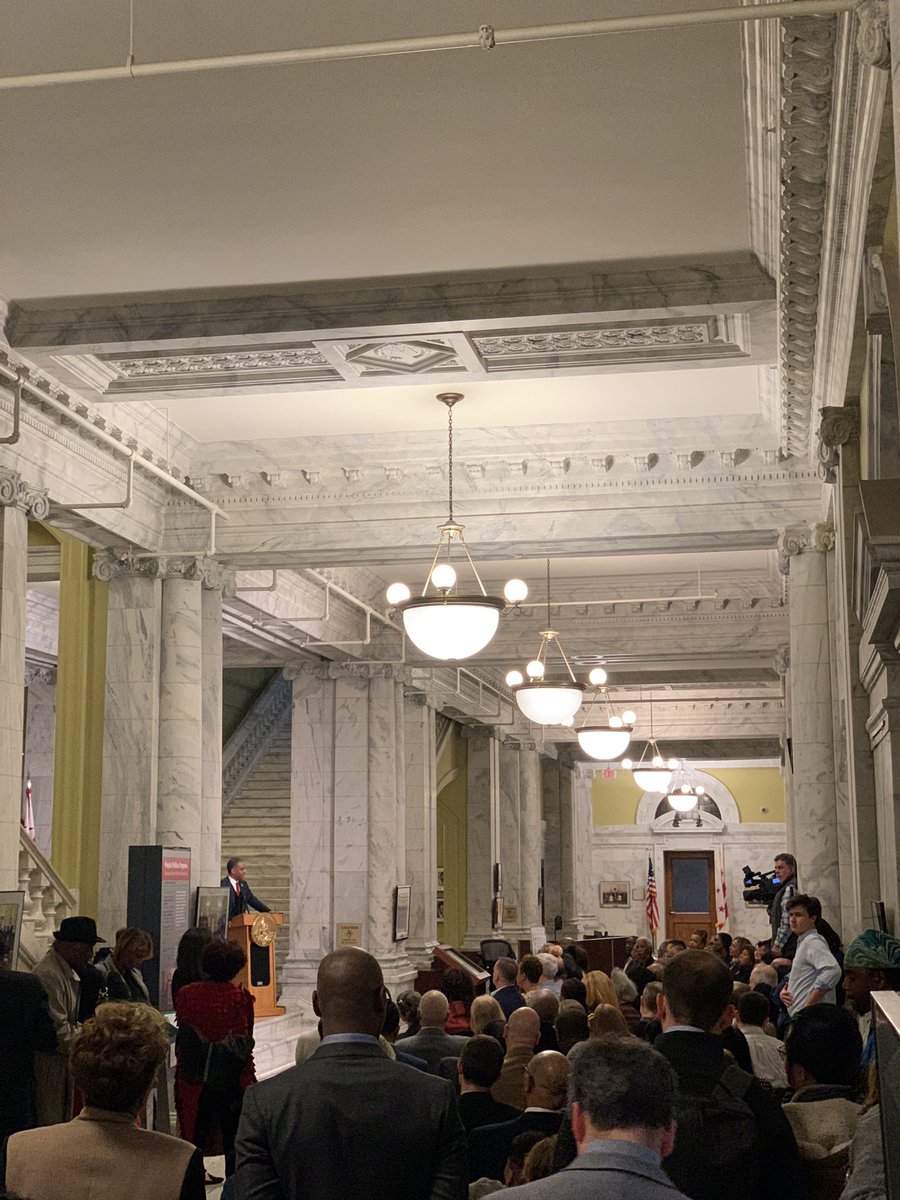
(240, 897)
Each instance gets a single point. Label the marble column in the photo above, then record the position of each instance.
(553, 903)
(884, 734)
(345, 858)
(209, 869)
(584, 885)
(180, 713)
(482, 836)
(40, 742)
(130, 725)
(18, 501)
(813, 821)
(520, 839)
(420, 783)
(567, 838)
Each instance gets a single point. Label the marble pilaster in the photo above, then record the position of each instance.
(553, 905)
(17, 502)
(482, 831)
(180, 756)
(530, 837)
(130, 731)
(210, 864)
(420, 782)
(884, 733)
(40, 743)
(812, 821)
(584, 887)
(345, 858)
(567, 839)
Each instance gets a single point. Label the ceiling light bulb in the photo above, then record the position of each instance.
(568, 722)
(616, 722)
(629, 717)
(443, 577)
(516, 591)
(597, 676)
(700, 790)
(672, 764)
(535, 669)
(684, 788)
(397, 593)
(514, 678)
(627, 764)
(657, 760)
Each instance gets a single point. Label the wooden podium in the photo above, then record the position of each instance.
(255, 933)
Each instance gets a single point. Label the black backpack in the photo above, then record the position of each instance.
(718, 1151)
(217, 1065)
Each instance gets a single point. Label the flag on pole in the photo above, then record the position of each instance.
(651, 907)
(28, 815)
(721, 895)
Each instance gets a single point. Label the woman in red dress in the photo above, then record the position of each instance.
(214, 1052)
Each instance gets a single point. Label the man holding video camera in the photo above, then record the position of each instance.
(783, 941)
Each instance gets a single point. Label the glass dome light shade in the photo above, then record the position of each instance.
(603, 741)
(653, 779)
(549, 702)
(682, 802)
(516, 591)
(451, 628)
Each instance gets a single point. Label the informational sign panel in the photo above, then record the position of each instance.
(159, 900)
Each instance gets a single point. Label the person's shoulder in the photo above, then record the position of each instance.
(22, 982)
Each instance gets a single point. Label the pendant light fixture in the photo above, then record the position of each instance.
(605, 740)
(443, 622)
(651, 772)
(683, 795)
(545, 699)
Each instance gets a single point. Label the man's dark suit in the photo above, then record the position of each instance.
(509, 998)
(489, 1145)
(247, 899)
(433, 1044)
(26, 1028)
(350, 1124)
(480, 1108)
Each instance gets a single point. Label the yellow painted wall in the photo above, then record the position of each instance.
(452, 832)
(615, 801)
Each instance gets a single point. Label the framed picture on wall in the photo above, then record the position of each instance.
(212, 911)
(440, 879)
(401, 911)
(615, 895)
(12, 905)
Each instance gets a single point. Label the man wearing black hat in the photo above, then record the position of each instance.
(72, 949)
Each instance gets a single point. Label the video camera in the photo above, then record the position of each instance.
(759, 888)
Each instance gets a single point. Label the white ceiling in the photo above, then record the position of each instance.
(586, 399)
(613, 149)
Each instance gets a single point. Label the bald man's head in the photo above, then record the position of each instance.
(523, 1028)
(349, 995)
(547, 1080)
(434, 1008)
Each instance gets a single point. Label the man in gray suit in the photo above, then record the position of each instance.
(622, 1096)
(350, 1122)
(431, 1043)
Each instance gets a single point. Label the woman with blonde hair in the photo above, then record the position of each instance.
(607, 1018)
(484, 1010)
(599, 989)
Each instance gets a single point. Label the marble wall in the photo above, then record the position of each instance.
(40, 744)
(13, 571)
(420, 784)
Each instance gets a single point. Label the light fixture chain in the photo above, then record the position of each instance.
(450, 456)
(548, 593)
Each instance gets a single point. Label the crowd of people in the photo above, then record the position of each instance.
(706, 1070)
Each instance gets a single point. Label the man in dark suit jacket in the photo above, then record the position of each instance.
(545, 1096)
(349, 1122)
(506, 992)
(431, 1043)
(240, 898)
(478, 1069)
(26, 1028)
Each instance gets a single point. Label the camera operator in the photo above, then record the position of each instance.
(783, 941)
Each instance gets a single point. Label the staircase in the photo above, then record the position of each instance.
(257, 825)
(47, 902)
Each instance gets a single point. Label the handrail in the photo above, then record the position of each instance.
(254, 735)
(30, 847)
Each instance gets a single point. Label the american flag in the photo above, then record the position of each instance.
(651, 908)
(721, 898)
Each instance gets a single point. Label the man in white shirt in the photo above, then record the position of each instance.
(815, 972)
(766, 1053)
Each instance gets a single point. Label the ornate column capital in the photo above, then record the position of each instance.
(209, 572)
(800, 539)
(16, 493)
(39, 673)
(782, 660)
(873, 39)
(839, 425)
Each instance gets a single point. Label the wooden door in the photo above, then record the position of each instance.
(690, 892)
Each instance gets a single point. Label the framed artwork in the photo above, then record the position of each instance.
(440, 879)
(440, 908)
(12, 905)
(211, 911)
(615, 895)
(402, 893)
(638, 893)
